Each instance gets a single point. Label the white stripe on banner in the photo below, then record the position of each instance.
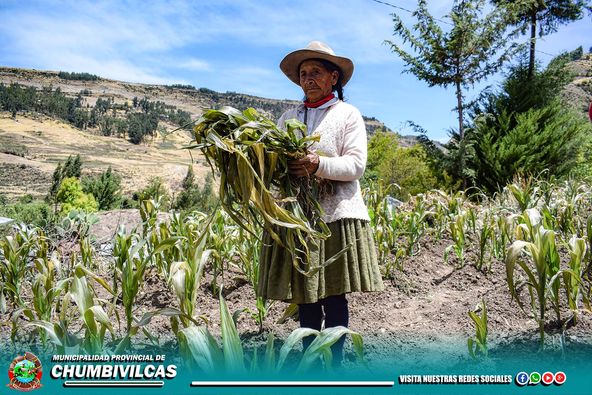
(292, 383)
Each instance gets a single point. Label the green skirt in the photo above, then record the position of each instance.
(355, 271)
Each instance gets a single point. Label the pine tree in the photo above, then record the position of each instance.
(472, 49)
(105, 188)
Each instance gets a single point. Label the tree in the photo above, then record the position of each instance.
(546, 14)
(192, 197)
(472, 49)
(525, 129)
(105, 188)
(72, 168)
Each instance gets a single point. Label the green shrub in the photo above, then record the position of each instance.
(31, 213)
(407, 167)
(71, 197)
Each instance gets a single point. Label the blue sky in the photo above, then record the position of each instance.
(237, 46)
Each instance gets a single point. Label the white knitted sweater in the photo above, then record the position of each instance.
(342, 152)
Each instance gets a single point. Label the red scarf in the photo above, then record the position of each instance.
(320, 102)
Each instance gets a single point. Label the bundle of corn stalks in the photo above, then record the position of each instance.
(251, 154)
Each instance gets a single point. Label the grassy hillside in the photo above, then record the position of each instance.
(30, 149)
(31, 145)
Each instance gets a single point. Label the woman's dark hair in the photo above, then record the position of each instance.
(332, 67)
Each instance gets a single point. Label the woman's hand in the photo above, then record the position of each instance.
(304, 167)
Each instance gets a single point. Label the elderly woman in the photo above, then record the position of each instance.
(340, 157)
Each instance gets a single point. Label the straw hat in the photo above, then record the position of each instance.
(315, 50)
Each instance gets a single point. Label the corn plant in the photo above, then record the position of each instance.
(320, 348)
(525, 191)
(478, 345)
(457, 232)
(571, 204)
(414, 225)
(15, 254)
(149, 210)
(131, 261)
(541, 266)
(381, 215)
(471, 220)
(95, 321)
(185, 274)
(485, 239)
(47, 289)
(87, 253)
(252, 153)
(223, 237)
(502, 235)
(200, 349)
(168, 235)
(249, 251)
(573, 278)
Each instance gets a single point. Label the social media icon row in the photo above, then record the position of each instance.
(535, 378)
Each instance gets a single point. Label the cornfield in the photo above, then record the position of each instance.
(77, 301)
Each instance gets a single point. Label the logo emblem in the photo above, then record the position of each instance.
(560, 378)
(535, 378)
(522, 378)
(25, 373)
(548, 378)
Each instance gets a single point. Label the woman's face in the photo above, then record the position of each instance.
(315, 80)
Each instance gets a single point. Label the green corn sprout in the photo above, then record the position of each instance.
(573, 278)
(381, 219)
(95, 321)
(502, 236)
(249, 251)
(47, 289)
(14, 260)
(485, 239)
(185, 275)
(457, 232)
(131, 261)
(543, 283)
(414, 225)
(478, 345)
(200, 349)
(86, 252)
(320, 346)
(525, 191)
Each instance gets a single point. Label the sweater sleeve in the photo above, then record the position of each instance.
(350, 164)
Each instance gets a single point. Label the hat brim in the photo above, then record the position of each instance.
(289, 65)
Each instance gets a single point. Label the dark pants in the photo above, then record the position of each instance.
(336, 314)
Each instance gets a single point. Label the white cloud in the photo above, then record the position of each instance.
(192, 64)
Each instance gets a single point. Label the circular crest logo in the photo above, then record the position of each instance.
(25, 373)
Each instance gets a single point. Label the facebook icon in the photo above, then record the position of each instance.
(522, 378)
